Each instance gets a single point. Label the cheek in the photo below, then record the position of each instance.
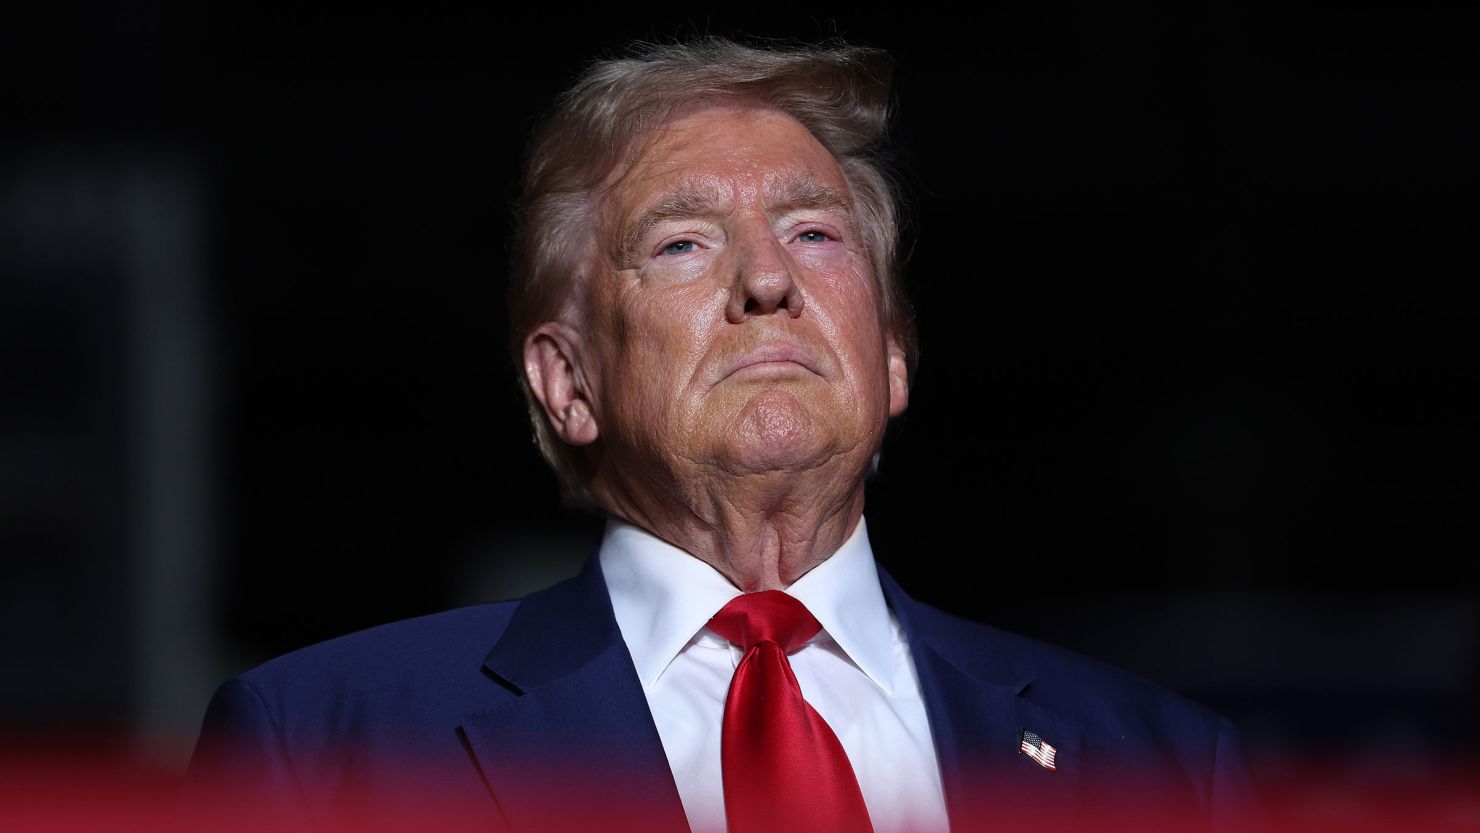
(676, 326)
(664, 336)
(853, 325)
(851, 312)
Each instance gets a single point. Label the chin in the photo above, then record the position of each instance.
(760, 460)
(777, 432)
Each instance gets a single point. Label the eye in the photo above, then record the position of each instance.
(813, 237)
(679, 247)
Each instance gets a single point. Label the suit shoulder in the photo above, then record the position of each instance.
(356, 716)
(1157, 755)
(427, 656)
(1115, 701)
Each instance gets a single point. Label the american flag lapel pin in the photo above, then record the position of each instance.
(1035, 747)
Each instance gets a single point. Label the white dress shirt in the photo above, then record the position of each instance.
(857, 673)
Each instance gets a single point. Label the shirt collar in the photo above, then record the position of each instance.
(843, 592)
(663, 597)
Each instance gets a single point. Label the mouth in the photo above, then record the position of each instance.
(781, 358)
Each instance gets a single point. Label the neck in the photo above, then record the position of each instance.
(761, 531)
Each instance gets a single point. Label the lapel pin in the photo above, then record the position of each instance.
(1037, 748)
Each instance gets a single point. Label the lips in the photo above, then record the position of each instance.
(777, 354)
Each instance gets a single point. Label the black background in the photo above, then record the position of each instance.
(1194, 282)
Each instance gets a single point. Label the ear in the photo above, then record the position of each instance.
(899, 380)
(552, 366)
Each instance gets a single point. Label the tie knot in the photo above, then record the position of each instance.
(767, 616)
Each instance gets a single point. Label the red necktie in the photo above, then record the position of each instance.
(784, 769)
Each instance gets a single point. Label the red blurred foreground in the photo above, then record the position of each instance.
(71, 791)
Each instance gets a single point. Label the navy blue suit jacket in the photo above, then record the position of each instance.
(529, 715)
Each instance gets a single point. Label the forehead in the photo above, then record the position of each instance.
(738, 153)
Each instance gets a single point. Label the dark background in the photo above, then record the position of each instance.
(1195, 285)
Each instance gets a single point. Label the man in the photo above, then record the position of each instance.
(707, 304)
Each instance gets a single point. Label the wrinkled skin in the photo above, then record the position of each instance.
(731, 375)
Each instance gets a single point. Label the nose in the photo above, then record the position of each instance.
(764, 283)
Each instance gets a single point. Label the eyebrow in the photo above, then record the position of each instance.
(804, 191)
(790, 193)
(687, 200)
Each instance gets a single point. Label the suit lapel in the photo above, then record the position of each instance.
(975, 697)
(573, 745)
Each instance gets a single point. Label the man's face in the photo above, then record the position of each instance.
(734, 324)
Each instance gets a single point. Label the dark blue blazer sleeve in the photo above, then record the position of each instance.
(241, 776)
